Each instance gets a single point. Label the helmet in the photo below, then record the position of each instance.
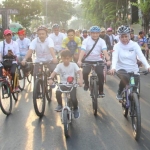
(123, 30)
(84, 31)
(109, 29)
(42, 28)
(95, 29)
(55, 26)
(103, 29)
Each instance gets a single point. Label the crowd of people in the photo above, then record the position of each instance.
(73, 46)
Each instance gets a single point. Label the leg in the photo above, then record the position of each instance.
(86, 71)
(59, 101)
(99, 71)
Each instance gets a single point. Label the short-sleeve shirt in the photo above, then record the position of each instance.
(23, 46)
(42, 49)
(141, 42)
(57, 39)
(66, 71)
(72, 45)
(87, 45)
(13, 45)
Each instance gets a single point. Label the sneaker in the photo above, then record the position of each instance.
(86, 87)
(58, 108)
(16, 90)
(76, 113)
(119, 97)
(101, 94)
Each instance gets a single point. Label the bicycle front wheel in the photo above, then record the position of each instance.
(136, 116)
(21, 80)
(124, 107)
(66, 124)
(94, 93)
(5, 98)
(48, 93)
(39, 97)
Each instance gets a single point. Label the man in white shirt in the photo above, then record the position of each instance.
(94, 56)
(57, 37)
(9, 49)
(44, 49)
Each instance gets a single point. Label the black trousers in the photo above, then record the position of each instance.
(100, 74)
(72, 96)
(125, 79)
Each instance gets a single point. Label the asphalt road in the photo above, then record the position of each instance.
(23, 130)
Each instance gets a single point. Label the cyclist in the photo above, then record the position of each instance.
(72, 43)
(111, 36)
(67, 69)
(142, 41)
(133, 36)
(94, 56)
(44, 49)
(24, 44)
(125, 59)
(9, 49)
(77, 33)
(57, 38)
(84, 34)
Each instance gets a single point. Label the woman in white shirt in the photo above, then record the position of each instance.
(125, 58)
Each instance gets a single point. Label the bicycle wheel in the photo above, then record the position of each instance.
(48, 93)
(21, 80)
(5, 98)
(39, 97)
(138, 88)
(136, 116)
(66, 124)
(94, 93)
(124, 107)
(15, 96)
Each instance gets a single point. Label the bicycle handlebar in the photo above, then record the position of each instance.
(91, 63)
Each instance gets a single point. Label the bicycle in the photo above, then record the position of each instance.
(41, 88)
(94, 82)
(131, 104)
(6, 88)
(67, 110)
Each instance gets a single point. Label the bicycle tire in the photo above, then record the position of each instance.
(65, 122)
(48, 93)
(38, 107)
(139, 88)
(94, 97)
(29, 77)
(124, 108)
(15, 96)
(135, 111)
(22, 79)
(4, 100)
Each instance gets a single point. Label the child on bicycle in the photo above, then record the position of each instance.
(67, 69)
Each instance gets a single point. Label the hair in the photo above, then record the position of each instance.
(70, 30)
(66, 53)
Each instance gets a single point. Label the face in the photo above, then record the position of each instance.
(21, 37)
(66, 60)
(42, 35)
(132, 35)
(124, 38)
(56, 31)
(109, 32)
(142, 35)
(63, 31)
(102, 33)
(77, 33)
(84, 34)
(71, 35)
(8, 37)
(95, 35)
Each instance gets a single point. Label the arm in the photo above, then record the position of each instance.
(28, 55)
(51, 78)
(80, 81)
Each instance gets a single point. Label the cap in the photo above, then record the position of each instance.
(109, 29)
(21, 32)
(103, 29)
(7, 31)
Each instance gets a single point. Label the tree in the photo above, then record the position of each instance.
(59, 11)
(144, 6)
(28, 10)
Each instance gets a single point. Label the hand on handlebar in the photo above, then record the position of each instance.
(80, 82)
(108, 63)
(23, 62)
(112, 71)
(55, 61)
(79, 63)
(50, 81)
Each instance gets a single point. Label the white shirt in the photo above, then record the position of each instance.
(13, 45)
(125, 57)
(66, 71)
(42, 49)
(23, 46)
(87, 45)
(57, 39)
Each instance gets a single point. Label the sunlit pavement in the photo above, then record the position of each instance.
(23, 130)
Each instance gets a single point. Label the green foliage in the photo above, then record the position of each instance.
(58, 11)
(28, 10)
